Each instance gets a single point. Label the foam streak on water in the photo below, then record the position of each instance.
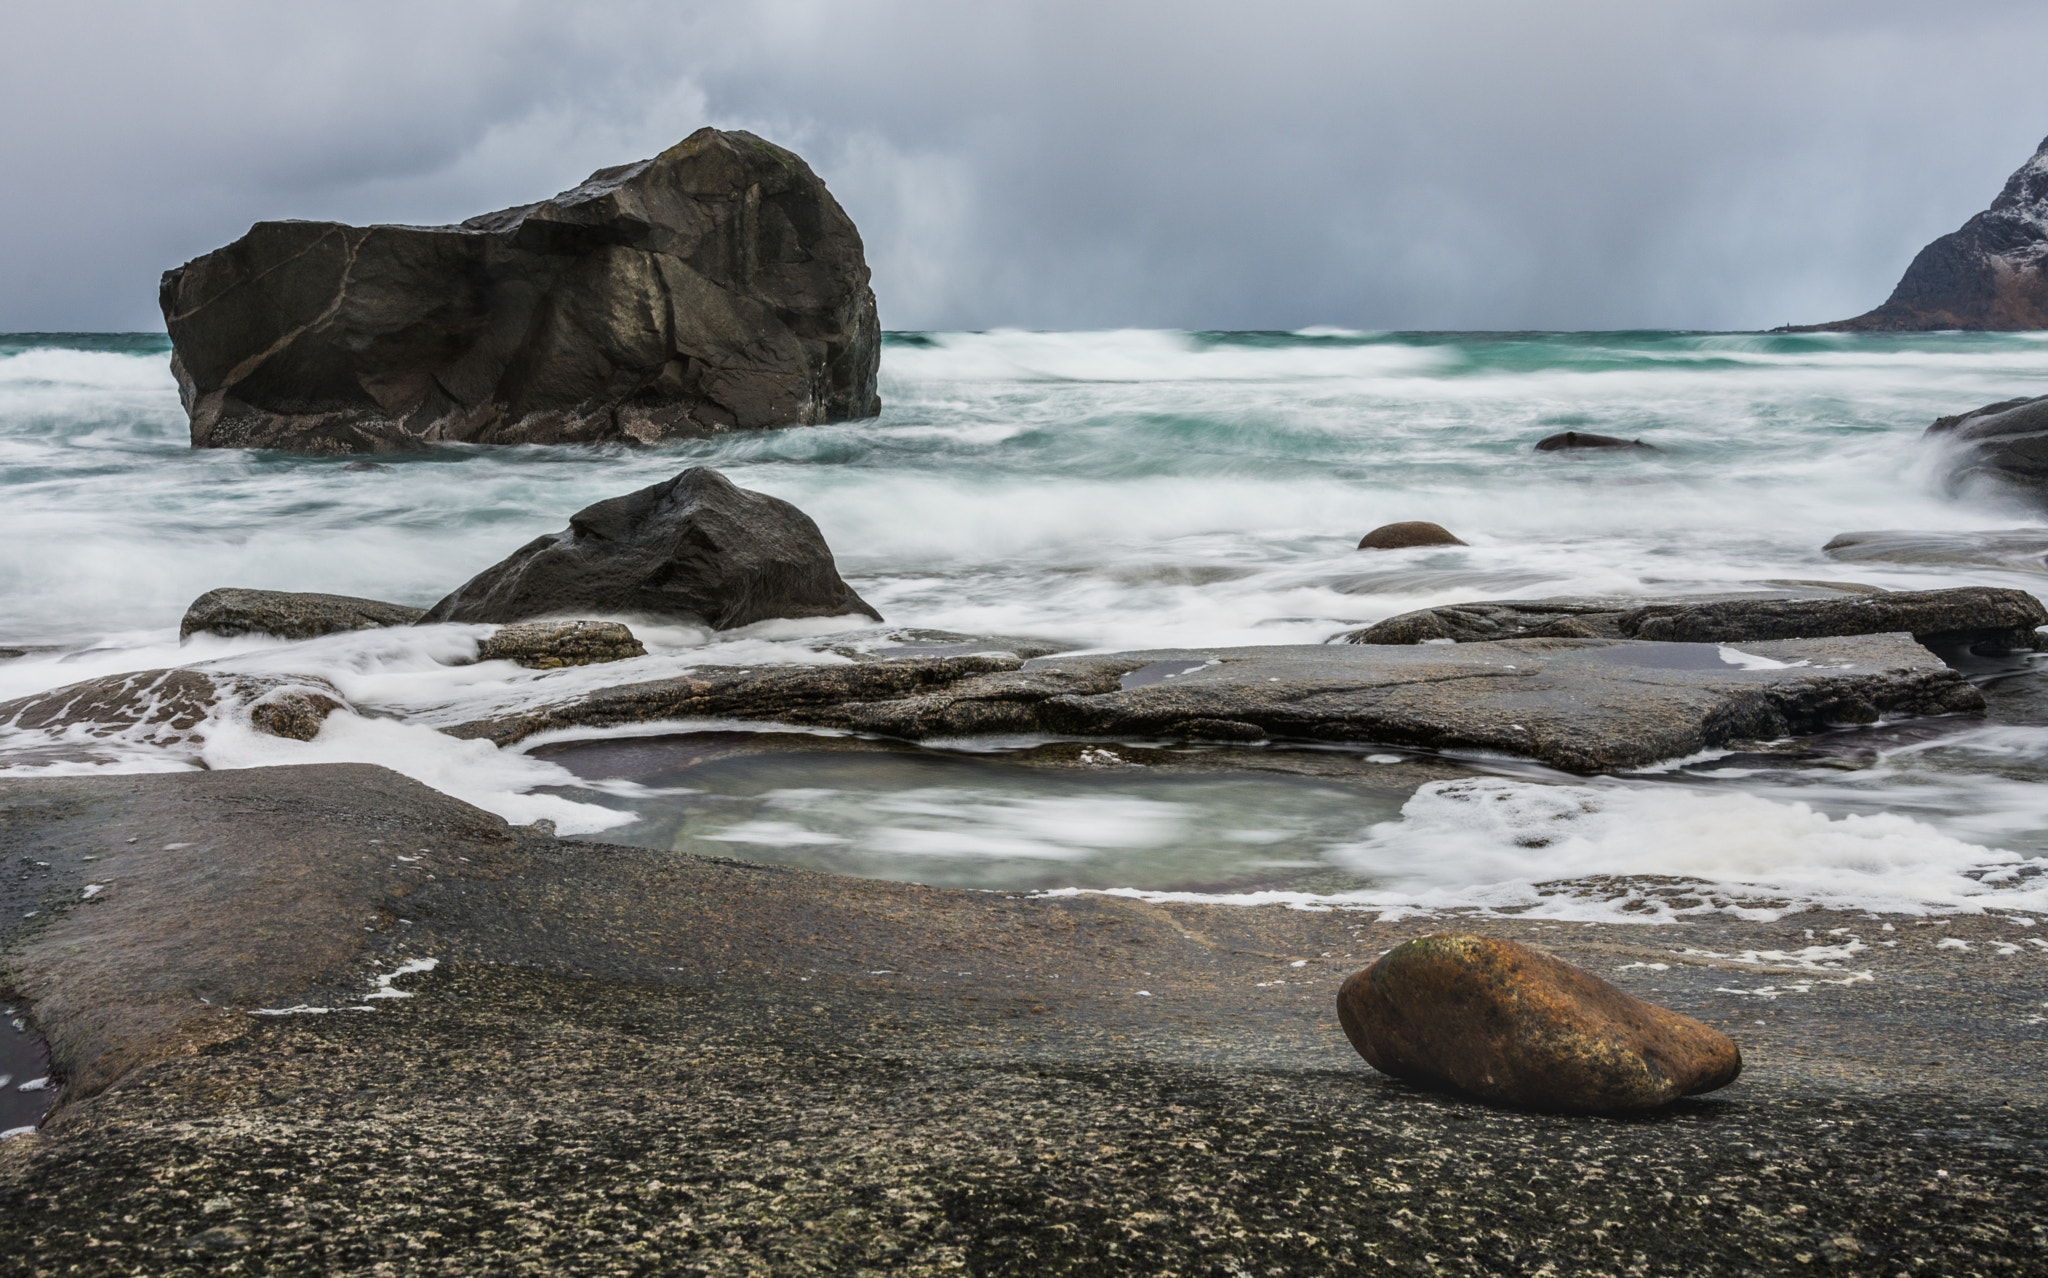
(1102, 490)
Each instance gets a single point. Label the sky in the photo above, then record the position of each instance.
(1459, 164)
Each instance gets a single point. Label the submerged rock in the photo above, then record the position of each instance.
(549, 645)
(1989, 275)
(1510, 1024)
(695, 548)
(169, 708)
(288, 615)
(2005, 443)
(1573, 441)
(1973, 615)
(1413, 532)
(717, 286)
(2024, 548)
(1577, 704)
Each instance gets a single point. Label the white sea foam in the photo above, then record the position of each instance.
(1102, 490)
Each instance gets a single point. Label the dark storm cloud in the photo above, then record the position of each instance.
(1475, 165)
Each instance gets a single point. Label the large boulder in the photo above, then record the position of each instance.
(288, 614)
(1989, 275)
(1963, 615)
(1513, 1025)
(696, 548)
(717, 286)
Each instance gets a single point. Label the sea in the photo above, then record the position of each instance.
(1106, 491)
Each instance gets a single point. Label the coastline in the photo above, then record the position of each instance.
(667, 1063)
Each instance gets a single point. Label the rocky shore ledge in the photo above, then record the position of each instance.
(615, 1060)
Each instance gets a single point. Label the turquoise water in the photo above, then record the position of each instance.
(1097, 490)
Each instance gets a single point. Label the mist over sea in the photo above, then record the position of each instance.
(1109, 490)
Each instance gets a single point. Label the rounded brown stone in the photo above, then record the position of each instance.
(1412, 532)
(1513, 1025)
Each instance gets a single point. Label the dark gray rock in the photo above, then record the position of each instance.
(550, 645)
(695, 548)
(1574, 441)
(1988, 275)
(1971, 615)
(288, 615)
(2005, 444)
(1412, 532)
(1581, 705)
(717, 286)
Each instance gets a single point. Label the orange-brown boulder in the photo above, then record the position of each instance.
(1513, 1025)
(1412, 532)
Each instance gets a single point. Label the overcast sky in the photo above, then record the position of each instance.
(1489, 164)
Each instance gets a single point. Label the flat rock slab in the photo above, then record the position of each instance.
(1964, 615)
(289, 614)
(2022, 548)
(633, 1060)
(1582, 705)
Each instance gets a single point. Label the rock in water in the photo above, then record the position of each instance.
(1412, 532)
(1572, 441)
(717, 286)
(1988, 276)
(1510, 1024)
(288, 615)
(2006, 443)
(695, 548)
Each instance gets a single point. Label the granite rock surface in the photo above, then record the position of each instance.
(288, 614)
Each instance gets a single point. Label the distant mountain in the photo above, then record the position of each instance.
(1992, 275)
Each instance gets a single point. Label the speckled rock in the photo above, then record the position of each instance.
(296, 713)
(550, 645)
(1513, 1025)
(1411, 532)
(167, 709)
(288, 614)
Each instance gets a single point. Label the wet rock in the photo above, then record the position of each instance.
(1413, 532)
(549, 645)
(2023, 548)
(1512, 1025)
(1578, 704)
(2003, 444)
(717, 286)
(366, 466)
(1989, 275)
(1575, 441)
(167, 708)
(288, 615)
(695, 548)
(1966, 615)
(296, 713)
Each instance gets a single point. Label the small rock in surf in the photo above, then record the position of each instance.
(1411, 532)
(1574, 441)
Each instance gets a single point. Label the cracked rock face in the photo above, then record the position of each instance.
(1987, 276)
(715, 287)
(1499, 1020)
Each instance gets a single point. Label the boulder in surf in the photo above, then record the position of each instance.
(2004, 444)
(717, 286)
(696, 549)
(1509, 1024)
(1408, 533)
